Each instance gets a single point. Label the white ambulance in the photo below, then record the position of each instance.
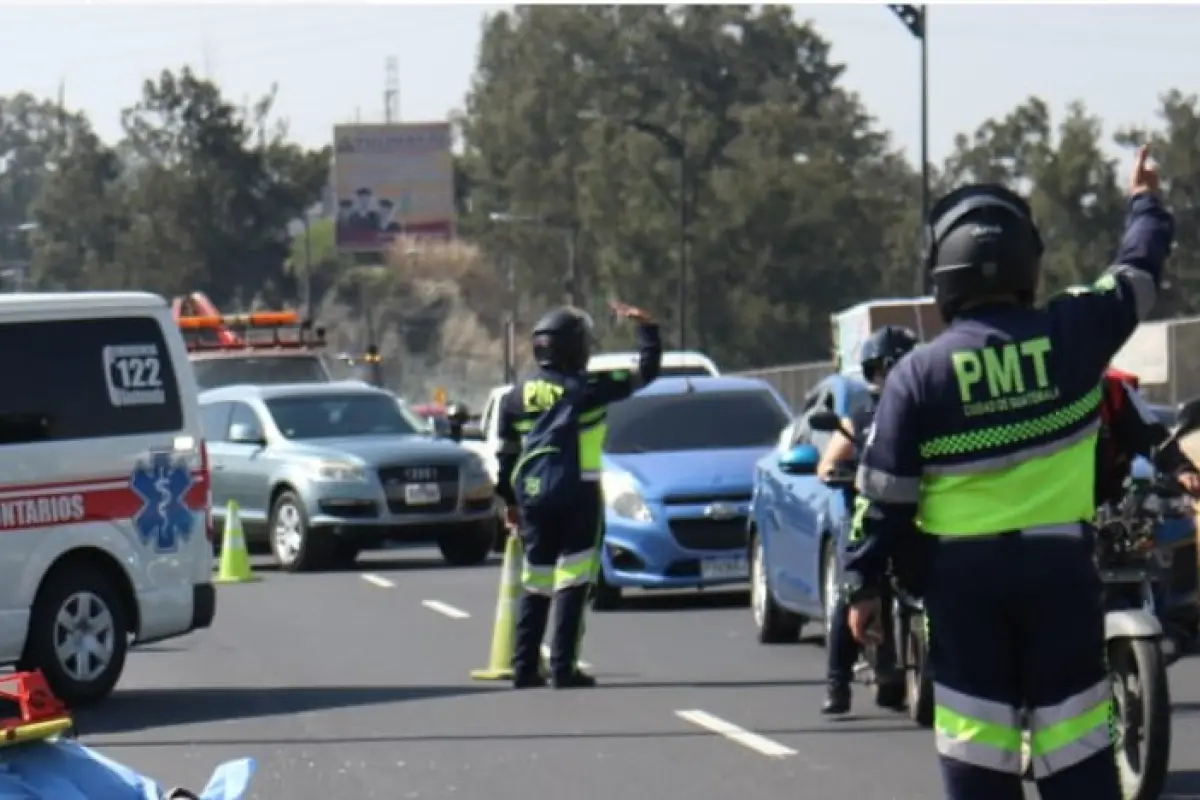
(105, 532)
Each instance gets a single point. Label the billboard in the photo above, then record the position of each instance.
(390, 180)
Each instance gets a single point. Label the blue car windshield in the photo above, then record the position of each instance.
(666, 423)
(328, 416)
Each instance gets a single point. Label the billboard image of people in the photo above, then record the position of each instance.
(393, 179)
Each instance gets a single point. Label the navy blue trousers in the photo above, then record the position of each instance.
(561, 556)
(1016, 630)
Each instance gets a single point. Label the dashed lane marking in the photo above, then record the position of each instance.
(734, 733)
(377, 580)
(445, 609)
(582, 664)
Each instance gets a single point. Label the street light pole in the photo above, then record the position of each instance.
(684, 229)
(677, 148)
(308, 270)
(916, 20)
(573, 293)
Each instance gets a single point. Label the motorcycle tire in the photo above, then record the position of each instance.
(1142, 760)
(918, 677)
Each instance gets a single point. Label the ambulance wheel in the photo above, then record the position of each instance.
(78, 632)
(1142, 707)
(605, 596)
(467, 545)
(774, 625)
(918, 679)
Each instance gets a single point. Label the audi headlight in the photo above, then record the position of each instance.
(474, 471)
(622, 497)
(338, 472)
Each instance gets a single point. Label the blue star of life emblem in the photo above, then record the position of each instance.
(163, 519)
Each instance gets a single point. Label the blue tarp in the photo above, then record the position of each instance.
(65, 770)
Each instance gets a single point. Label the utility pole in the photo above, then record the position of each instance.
(916, 20)
(391, 90)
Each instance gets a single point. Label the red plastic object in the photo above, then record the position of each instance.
(28, 694)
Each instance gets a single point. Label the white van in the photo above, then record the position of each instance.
(675, 363)
(105, 532)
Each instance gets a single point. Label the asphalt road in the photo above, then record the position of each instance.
(355, 685)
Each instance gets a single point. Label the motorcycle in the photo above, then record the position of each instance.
(1139, 649)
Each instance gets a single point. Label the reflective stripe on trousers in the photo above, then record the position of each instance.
(1064, 734)
(979, 732)
(572, 569)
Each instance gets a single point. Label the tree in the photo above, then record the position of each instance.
(790, 193)
(199, 193)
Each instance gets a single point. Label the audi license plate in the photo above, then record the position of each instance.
(727, 567)
(421, 494)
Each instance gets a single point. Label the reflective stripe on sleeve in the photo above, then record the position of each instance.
(1072, 731)
(980, 732)
(875, 484)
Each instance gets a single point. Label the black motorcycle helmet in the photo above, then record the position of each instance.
(562, 340)
(883, 349)
(982, 242)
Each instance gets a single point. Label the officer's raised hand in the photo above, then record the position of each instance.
(626, 311)
(1144, 179)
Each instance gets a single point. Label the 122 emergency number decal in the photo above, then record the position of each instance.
(134, 375)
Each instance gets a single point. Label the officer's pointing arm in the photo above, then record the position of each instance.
(889, 483)
(605, 388)
(510, 448)
(1108, 313)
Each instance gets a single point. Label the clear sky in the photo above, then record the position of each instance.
(329, 60)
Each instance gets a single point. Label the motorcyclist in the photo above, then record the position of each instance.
(1129, 429)
(885, 347)
(977, 484)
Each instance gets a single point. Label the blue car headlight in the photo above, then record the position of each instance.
(622, 497)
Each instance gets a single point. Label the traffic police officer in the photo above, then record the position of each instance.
(561, 548)
(976, 484)
(880, 352)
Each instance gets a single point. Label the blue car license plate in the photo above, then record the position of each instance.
(724, 567)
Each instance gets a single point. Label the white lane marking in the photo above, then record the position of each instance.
(759, 744)
(377, 580)
(445, 609)
(582, 664)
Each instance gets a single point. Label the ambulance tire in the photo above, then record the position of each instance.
(71, 582)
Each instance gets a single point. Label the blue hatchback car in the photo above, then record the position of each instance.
(678, 464)
(796, 520)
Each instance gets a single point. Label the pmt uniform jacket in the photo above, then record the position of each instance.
(976, 486)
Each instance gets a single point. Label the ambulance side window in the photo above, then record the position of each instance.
(86, 379)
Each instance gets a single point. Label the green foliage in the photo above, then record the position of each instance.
(797, 202)
(636, 133)
(198, 194)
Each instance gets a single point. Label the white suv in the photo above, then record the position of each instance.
(105, 533)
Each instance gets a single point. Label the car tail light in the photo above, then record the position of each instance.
(206, 476)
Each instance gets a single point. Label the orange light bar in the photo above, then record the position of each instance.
(261, 319)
